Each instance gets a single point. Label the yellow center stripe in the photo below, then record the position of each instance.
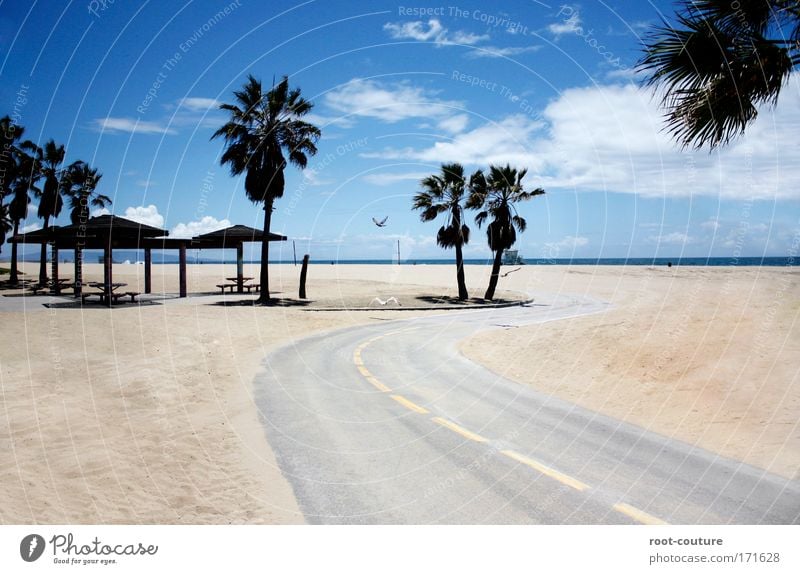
(409, 405)
(460, 430)
(636, 514)
(546, 470)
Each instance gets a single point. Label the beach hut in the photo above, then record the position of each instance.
(234, 237)
(106, 232)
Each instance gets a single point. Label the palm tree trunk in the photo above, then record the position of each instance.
(43, 257)
(14, 277)
(462, 285)
(264, 276)
(498, 260)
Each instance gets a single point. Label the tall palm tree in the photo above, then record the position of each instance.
(50, 201)
(719, 63)
(497, 196)
(24, 184)
(442, 194)
(263, 131)
(79, 186)
(10, 134)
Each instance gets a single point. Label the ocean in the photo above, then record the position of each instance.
(171, 259)
(647, 261)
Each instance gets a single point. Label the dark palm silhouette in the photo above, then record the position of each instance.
(24, 184)
(442, 194)
(10, 133)
(719, 63)
(50, 201)
(261, 128)
(79, 187)
(495, 196)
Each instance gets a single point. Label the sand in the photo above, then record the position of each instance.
(144, 414)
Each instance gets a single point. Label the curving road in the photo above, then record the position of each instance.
(388, 423)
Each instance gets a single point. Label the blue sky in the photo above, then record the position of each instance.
(133, 88)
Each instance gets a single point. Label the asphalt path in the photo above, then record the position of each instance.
(389, 424)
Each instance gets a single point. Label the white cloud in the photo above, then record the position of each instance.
(454, 124)
(206, 225)
(611, 138)
(674, 238)
(129, 125)
(568, 25)
(148, 215)
(496, 52)
(432, 31)
(31, 227)
(712, 223)
(388, 103)
(505, 141)
(199, 104)
(98, 212)
(390, 178)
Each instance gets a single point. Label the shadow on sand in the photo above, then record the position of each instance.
(275, 302)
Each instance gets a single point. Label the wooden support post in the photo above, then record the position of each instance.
(54, 262)
(78, 285)
(303, 271)
(107, 273)
(240, 267)
(182, 261)
(148, 270)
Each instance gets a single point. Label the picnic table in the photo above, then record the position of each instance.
(54, 286)
(108, 292)
(235, 284)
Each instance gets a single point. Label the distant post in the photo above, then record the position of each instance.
(54, 273)
(182, 269)
(303, 271)
(240, 267)
(398, 252)
(148, 271)
(294, 250)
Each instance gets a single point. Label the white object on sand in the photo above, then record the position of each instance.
(384, 303)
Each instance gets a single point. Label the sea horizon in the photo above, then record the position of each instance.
(771, 261)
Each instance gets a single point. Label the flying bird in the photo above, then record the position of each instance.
(381, 223)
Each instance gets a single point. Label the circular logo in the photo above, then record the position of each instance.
(31, 547)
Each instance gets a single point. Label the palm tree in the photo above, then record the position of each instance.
(78, 185)
(50, 200)
(721, 61)
(10, 133)
(261, 128)
(496, 196)
(442, 194)
(27, 172)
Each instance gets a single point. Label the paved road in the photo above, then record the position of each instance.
(388, 423)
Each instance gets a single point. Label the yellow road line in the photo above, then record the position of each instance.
(377, 384)
(546, 470)
(458, 429)
(636, 514)
(409, 405)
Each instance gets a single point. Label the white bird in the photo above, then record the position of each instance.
(384, 303)
(381, 223)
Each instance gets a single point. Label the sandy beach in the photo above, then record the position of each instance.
(144, 413)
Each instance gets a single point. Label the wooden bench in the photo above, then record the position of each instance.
(223, 285)
(255, 286)
(85, 296)
(132, 294)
